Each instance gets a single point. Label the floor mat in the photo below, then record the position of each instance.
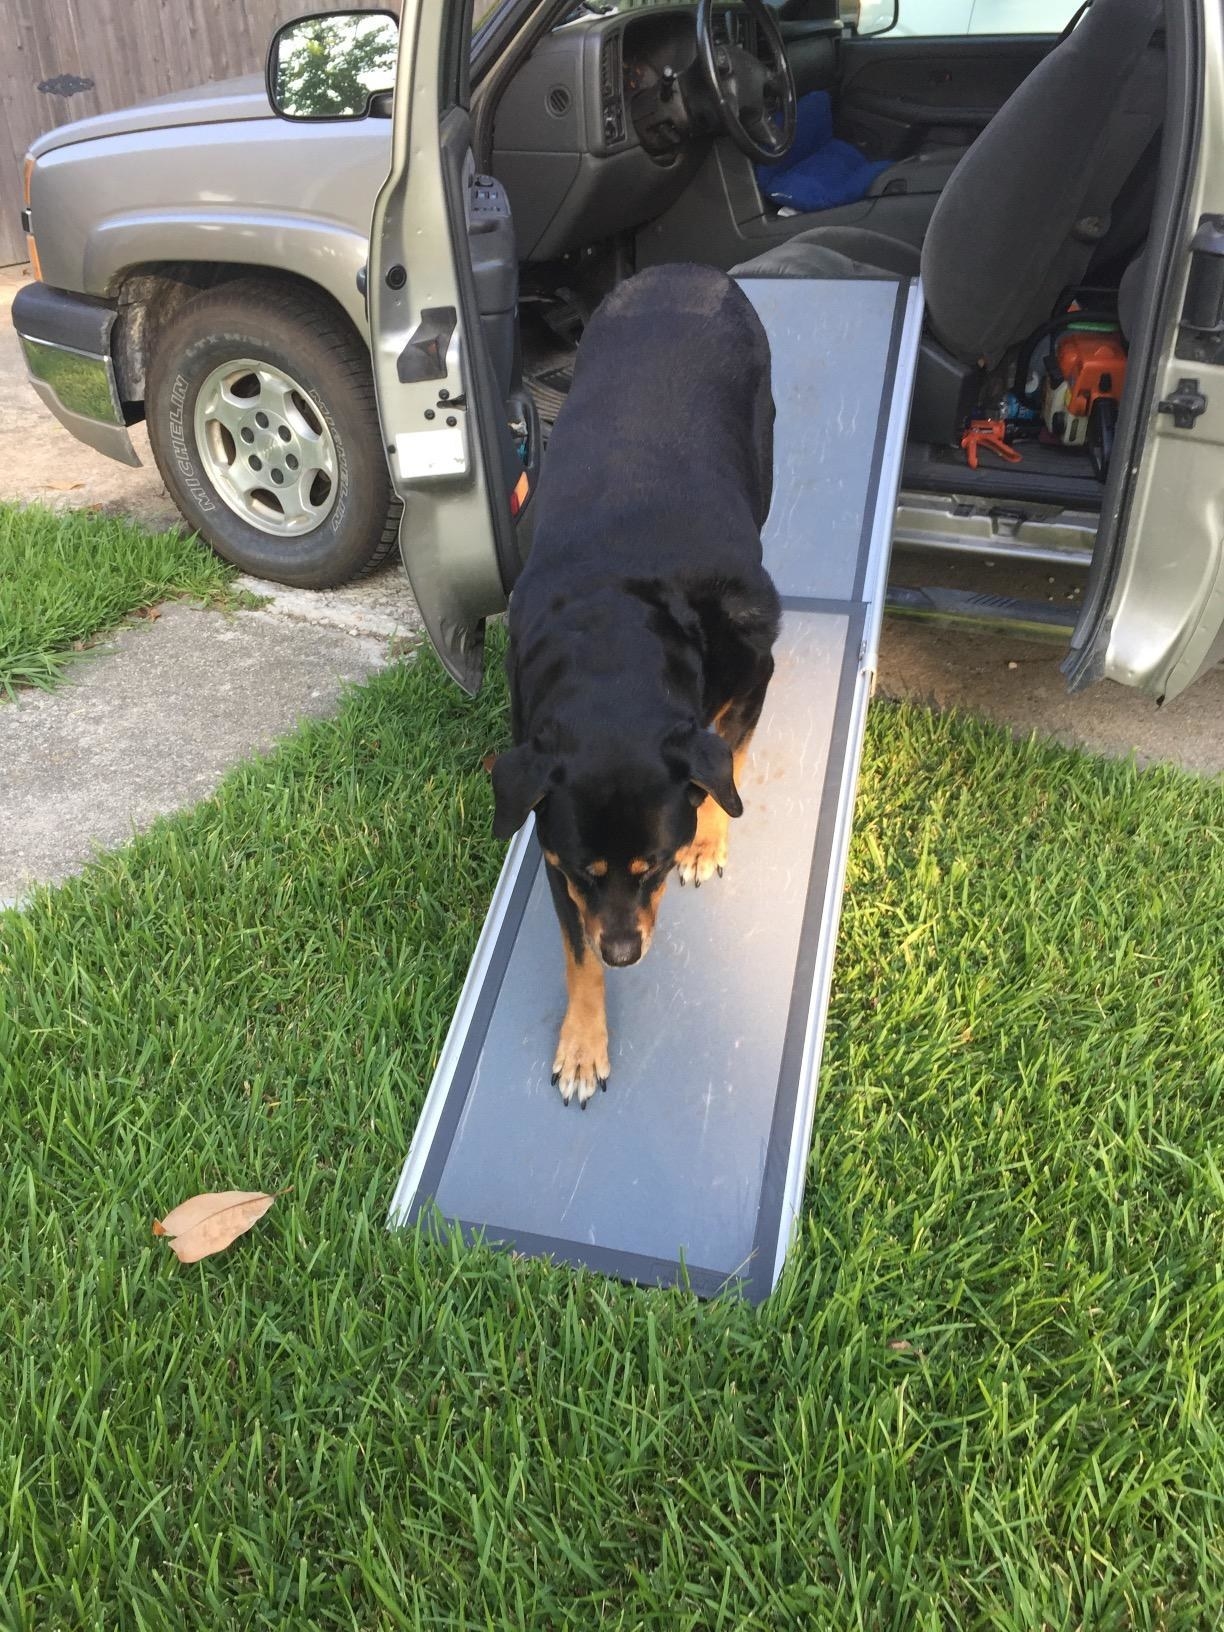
(549, 387)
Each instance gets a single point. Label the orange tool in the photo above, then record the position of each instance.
(991, 434)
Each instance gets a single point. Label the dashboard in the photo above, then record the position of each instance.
(606, 123)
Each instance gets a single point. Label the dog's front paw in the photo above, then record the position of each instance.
(581, 1064)
(706, 856)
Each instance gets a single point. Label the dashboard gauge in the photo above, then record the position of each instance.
(638, 75)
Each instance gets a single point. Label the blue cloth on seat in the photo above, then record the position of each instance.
(820, 171)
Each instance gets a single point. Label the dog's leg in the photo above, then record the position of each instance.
(581, 1063)
(735, 724)
(707, 854)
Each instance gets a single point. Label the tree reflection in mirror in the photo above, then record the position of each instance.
(329, 67)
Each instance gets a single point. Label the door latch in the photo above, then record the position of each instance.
(1185, 404)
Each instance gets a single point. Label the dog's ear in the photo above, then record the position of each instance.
(520, 781)
(712, 769)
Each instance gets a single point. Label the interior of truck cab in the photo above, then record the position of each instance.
(1017, 174)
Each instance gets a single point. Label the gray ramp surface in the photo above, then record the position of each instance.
(691, 1166)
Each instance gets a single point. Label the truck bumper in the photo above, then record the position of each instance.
(66, 342)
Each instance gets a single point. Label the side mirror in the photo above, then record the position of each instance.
(868, 17)
(332, 64)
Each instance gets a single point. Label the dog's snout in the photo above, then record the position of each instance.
(620, 950)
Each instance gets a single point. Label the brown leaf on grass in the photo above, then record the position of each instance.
(209, 1223)
(487, 762)
(150, 612)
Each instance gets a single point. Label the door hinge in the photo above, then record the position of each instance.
(1185, 404)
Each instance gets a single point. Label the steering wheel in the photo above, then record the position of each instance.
(750, 93)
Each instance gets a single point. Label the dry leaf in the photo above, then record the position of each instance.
(900, 1346)
(209, 1223)
(487, 762)
(62, 487)
(150, 612)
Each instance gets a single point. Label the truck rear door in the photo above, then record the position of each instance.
(1154, 617)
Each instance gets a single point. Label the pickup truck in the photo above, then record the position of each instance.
(335, 348)
(160, 228)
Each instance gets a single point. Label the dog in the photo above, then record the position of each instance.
(642, 626)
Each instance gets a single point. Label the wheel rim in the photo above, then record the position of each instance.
(266, 447)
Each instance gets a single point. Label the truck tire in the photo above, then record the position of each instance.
(264, 425)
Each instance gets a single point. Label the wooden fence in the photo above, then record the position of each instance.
(65, 59)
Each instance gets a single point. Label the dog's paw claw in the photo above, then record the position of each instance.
(701, 860)
(581, 1064)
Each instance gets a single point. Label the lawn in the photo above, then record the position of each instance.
(986, 1395)
(68, 577)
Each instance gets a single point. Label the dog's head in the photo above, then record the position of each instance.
(611, 821)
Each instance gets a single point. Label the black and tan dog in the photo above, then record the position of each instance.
(642, 627)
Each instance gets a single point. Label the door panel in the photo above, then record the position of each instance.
(895, 94)
(441, 403)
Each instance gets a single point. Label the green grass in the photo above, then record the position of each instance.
(987, 1394)
(66, 577)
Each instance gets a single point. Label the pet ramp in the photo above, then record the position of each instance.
(691, 1167)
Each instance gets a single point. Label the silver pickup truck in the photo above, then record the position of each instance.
(347, 299)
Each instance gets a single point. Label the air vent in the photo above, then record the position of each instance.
(558, 101)
(612, 91)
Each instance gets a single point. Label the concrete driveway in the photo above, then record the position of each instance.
(292, 659)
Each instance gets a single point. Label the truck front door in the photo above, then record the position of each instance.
(442, 296)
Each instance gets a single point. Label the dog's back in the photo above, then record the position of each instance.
(661, 462)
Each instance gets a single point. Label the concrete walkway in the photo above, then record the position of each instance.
(152, 719)
(152, 722)
(154, 725)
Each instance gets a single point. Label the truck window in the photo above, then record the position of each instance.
(950, 17)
